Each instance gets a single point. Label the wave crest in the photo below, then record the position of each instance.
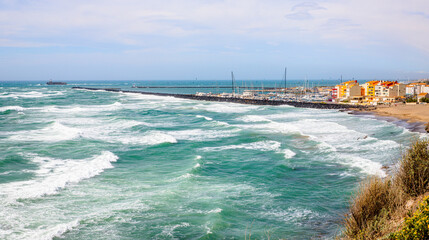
(55, 174)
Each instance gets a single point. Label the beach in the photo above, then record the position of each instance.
(410, 113)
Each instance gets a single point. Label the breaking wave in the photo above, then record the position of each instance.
(55, 174)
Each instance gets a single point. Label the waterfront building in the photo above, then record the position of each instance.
(382, 88)
(353, 91)
(413, 89)
(346, 90)
(397, 90)
(369, 87)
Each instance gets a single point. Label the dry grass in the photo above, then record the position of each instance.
(413, 173)
(370, 208)
(379, 206)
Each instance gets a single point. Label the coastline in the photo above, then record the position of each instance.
(413, 117)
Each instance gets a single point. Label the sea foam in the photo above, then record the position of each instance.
(259, 146)
(54, 132)
(51, 232)
(55, 174)
(206, 118)
(12, 108)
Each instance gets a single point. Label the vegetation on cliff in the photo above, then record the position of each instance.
(380, 206)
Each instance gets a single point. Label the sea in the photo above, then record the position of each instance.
(79, 164)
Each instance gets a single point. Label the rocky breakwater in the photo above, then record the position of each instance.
(301, 104)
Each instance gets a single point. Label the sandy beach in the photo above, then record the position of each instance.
(410, 113)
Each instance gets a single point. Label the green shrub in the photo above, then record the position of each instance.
(416, 226)
(426, 100)
(413, 173)
(380, 202)
(369, 209)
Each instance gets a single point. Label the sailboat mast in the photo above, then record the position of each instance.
(285, 77)
(232, 79)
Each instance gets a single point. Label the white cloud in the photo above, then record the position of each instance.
(302, 10)
(132, 22)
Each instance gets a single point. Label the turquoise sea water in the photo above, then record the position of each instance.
(79, 164)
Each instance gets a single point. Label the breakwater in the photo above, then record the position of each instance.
(211, 87)
(301, 104)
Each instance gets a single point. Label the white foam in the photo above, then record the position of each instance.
(184, 176)
(202, 135)
(52, 133)
(225, 107)
(48, 233)
(113, 131)
(68, 110)
(151, 138)
(292, 214)
(288, 153)
(85, 109)
(220, 123)
(254, 118)
(273, 127)
(31, 94)
(217, 210)
(366, 166)
(261, 146)
(206, 118)
(13, 108)
(55, 174)
(168, 230)
(196, 166)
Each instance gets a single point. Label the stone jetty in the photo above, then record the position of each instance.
(301, 104)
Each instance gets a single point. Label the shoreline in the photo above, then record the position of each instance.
(413, 117)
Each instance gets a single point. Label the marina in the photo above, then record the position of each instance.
(239, 98)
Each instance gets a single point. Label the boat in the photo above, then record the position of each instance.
(56, 83)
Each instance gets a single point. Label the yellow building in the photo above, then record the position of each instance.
(341, 90)
(369, 88)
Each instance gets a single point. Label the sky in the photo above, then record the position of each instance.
(206, 40)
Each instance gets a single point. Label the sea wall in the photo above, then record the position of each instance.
(237, 100)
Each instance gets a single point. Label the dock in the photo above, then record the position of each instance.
(272, 102)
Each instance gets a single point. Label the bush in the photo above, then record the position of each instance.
(426, 100)
(369, 208)
(413, 173)
(379, 203)
(417, 226)
(411, 100)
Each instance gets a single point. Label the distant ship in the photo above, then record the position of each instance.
(56, 83)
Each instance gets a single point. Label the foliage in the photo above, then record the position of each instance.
(426, 100)
(370, 208)
(411, 100)
(416, 226)
(413, 173)
(381, 202)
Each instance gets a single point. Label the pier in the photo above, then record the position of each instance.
(301, 104)
(201, 87)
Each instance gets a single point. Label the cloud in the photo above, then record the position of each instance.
(301, 11)
(147, 24)
(422, 14)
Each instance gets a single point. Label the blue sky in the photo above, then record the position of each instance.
(188, 39)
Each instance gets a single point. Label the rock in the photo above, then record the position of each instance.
(427, 127)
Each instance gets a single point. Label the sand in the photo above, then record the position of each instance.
(410, 113)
